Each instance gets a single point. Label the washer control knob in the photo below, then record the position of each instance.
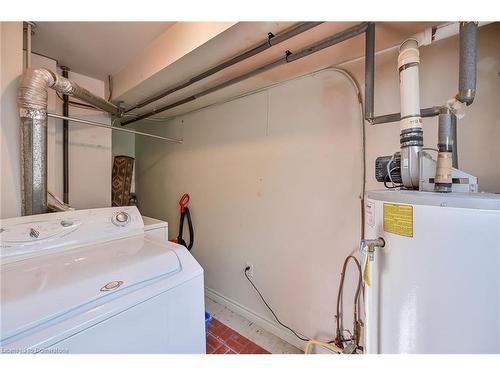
(121, 219)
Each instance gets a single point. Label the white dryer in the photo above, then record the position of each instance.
(91, 281)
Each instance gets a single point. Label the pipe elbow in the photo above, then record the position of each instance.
(466, 96)
(32, 92)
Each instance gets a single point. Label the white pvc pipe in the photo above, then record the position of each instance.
(409, 87)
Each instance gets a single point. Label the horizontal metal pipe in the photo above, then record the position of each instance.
(272, 40)
(289, 57)
(394, 117)
(349, 33)
(100, 125)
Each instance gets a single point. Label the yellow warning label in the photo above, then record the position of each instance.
(398, 219)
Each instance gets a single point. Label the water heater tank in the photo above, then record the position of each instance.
(435, 286)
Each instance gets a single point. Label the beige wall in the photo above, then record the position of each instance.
(275, 177)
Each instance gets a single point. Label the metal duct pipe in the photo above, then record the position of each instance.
(411, 137)
(272, 40)
(32, 100)
(288, 58)
(468, 62)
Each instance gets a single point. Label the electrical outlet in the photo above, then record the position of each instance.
(250, 271)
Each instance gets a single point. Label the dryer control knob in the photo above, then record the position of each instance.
(121, 219)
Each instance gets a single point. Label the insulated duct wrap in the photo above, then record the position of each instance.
(32, 100)
(467, 65)
(66, 87)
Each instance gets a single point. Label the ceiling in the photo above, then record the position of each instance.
(243, 36)
(96, 49)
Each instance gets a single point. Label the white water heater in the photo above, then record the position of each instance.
(435, 285)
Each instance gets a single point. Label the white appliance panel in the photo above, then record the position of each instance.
(102, 286)
(438, 291)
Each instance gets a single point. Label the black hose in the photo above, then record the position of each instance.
(181, 241)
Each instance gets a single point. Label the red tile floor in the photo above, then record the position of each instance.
(223, 340)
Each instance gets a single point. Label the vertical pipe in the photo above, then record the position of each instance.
(454, 144)
(32, 100)
(411, 137)
(65, 71)
(369, 71)
(28, 44)
(468, 62)
(443, 180)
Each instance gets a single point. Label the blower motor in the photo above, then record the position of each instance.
(388, 169)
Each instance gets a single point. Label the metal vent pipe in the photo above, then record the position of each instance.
(447, 127)
(32, 100)
(468, 62)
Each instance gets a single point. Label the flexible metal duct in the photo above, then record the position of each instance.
(32, 100)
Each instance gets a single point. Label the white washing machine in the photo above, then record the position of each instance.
(92, 281)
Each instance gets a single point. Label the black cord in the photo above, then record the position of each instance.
(110, 87)
(272, 312)
(181, 241)
(387, 176)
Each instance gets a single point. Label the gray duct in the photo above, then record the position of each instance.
(447, 126)
(32, 98)
(468, 64)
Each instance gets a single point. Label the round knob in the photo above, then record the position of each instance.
(121, 219)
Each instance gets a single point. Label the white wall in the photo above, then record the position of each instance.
(90, 147)
(90, 155)
(11, 66)
(274, 177)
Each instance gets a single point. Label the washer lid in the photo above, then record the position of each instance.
(37, 290)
